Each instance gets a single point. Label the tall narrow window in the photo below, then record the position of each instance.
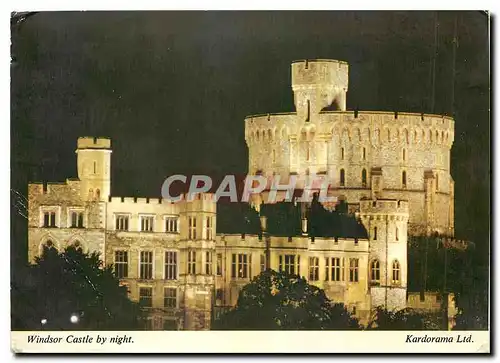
(342, 153)
(95, 167)
(308, 110)
(364, 153)
(242, 266)
(403, 178)
(233, 266)
(404, 154)
(49, 219)
(335, 276)
(313, 268)
(147, 223)
(353, 269)
(289, 264)
(76, 219)
(262, 263)
(342, 177)
(363, 178)
(327, 268)
(374, 233)
(396, 268)
(375, 271)
(171, 265)
(192, 228)
(146, 297)
(208, 263)
(219, 264)
(397, 234)
(191, 262)
(146, 265)
(121, 264)
(170, 297)
(209, 228)
(437, 181)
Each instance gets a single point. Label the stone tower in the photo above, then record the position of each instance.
(318, 84)
(94, 167)
(386, 222)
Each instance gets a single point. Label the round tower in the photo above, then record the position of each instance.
(94, 167)
(319, 83)
(386, 222)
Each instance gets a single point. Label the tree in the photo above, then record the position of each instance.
(405, 319)
(71, 283)
(279, 301)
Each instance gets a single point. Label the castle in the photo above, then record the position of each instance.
(391, 168)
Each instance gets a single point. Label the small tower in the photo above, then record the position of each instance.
(319, 83)
(386, 221)
(94, 167)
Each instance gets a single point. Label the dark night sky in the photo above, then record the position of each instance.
(172, 88)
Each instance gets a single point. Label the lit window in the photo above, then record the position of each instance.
(353, 269)
(147, 223)
(170, 297)
(396, 268)
(146, 265)
(375, 271)
(239, 265)
(313, 268)
(171, 225)
(289, 264)
(121, 264)
(171, 265)
(122, 222)
(335, 276)
(209, 233)
(192, 262)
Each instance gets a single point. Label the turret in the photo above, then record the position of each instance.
(318, 84)
(94, 167)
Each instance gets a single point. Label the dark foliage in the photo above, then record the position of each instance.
(60, 285)
(283, 219)
(405, 319)
(237, 218)
(278, 301)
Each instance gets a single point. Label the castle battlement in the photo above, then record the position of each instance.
(137, 200)
(325, 72)
(89, 142)
(383, 206)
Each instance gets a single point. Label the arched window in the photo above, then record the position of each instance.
(342, 177)
(403, 178)
(363, 178)
(396, 272)
(374, 233)
(375, 271)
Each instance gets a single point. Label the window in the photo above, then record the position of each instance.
(147, 223)
(171, 265)
(363, 178)
(397, 234)
(239, 265)
(95, 167)
(403, 179)
(146, 265)
(364, 153)
(219, 264)
(77, 219)
(342, 177)
(170, 297)
(375, 271)
(121, 264)
(171, 224)
(342, 153)
(353, 269)
(313, 268)
(191, 262)
(146, 296)
(404, 154)
(122, 223)
(437, 181)
(192, 227)
(396, 268)
(210, 234)
(289, 265)
(335, 269)
(262, 263)
(49, 219)
(327, 268)
(208, 263)
(374, 233)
